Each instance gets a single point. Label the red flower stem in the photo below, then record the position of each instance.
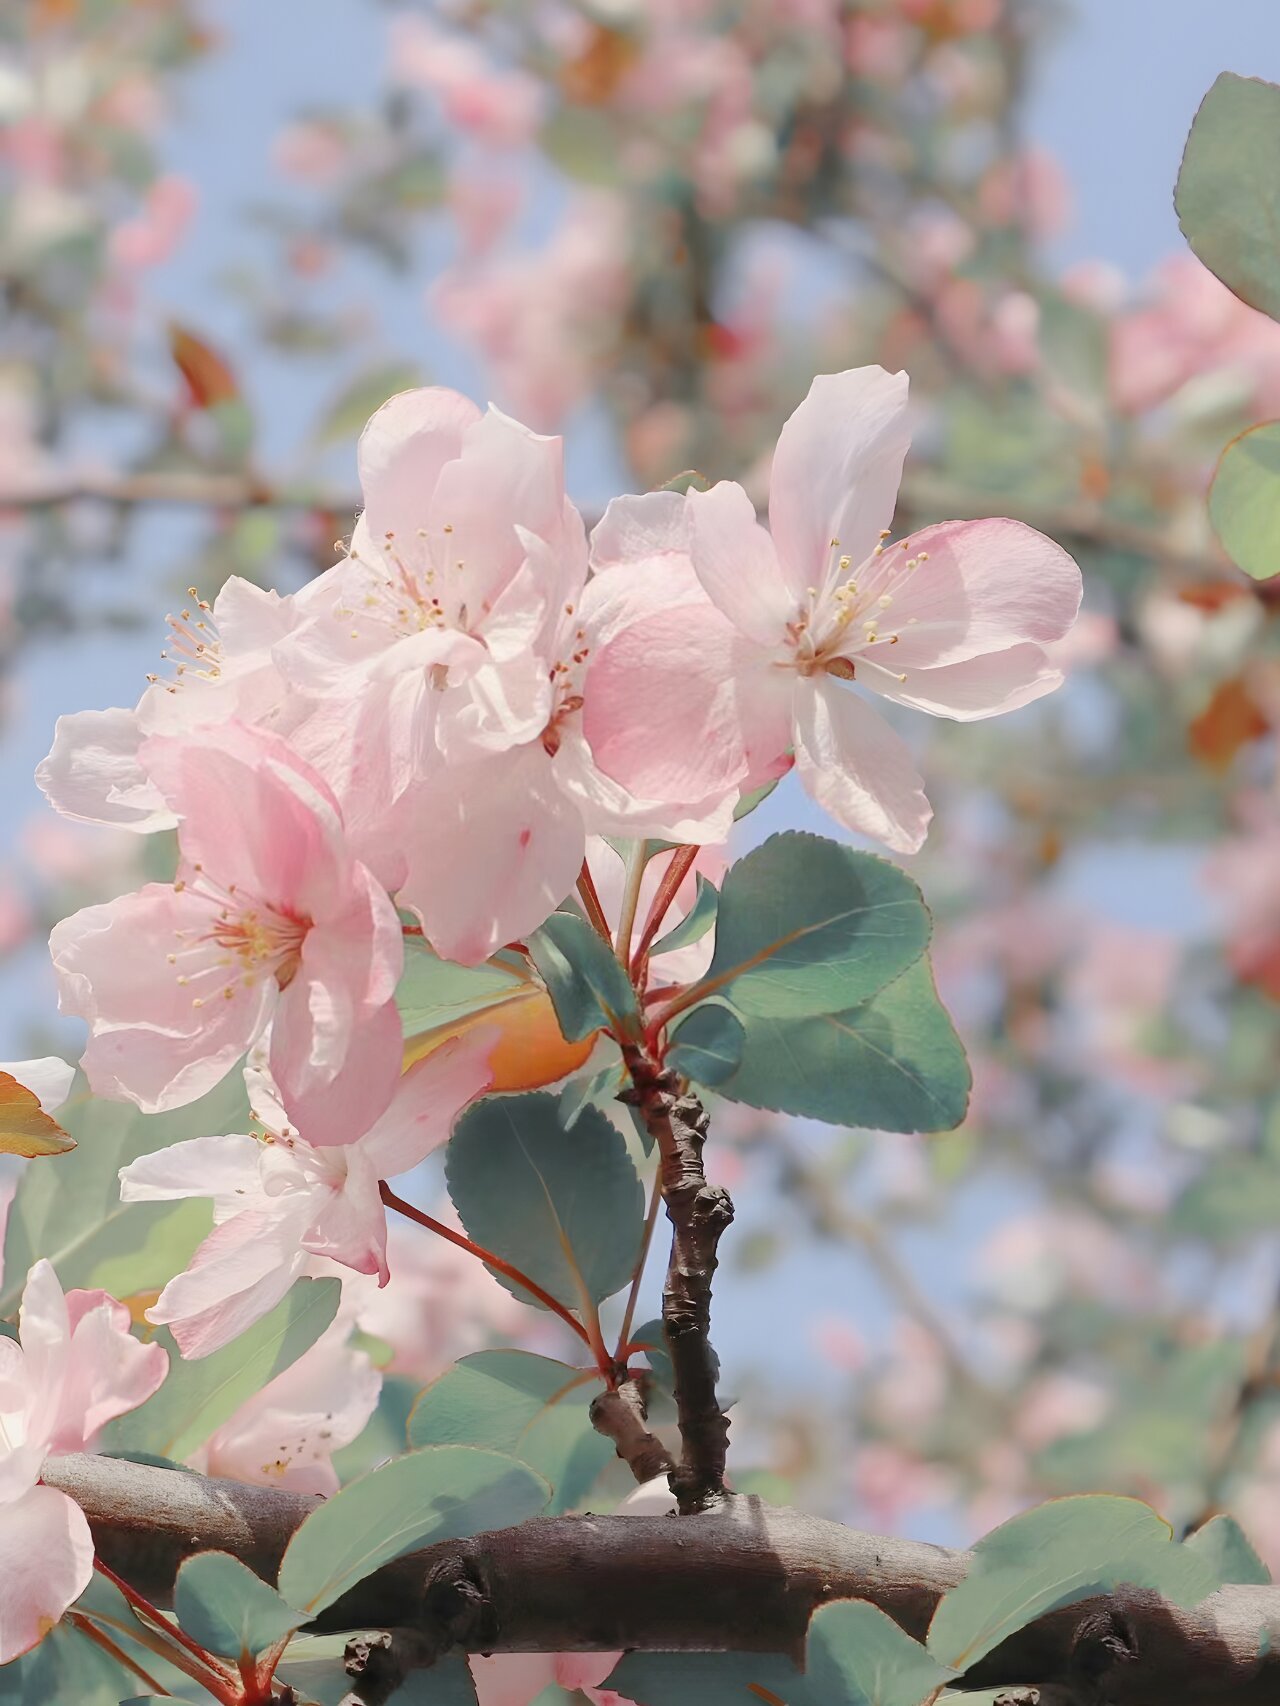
(487, 1256)
(226, 1689)
(92, 1632)
(676, 872)
(591, 900)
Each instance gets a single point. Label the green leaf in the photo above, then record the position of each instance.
(808, 926)
(894, 1063)
(532, 1408)
(434, 994)
(1228, 192)
(688, 481)
(198, 1396)
(695, 923)
(566, 1208)
(227, 1609)
(1227, 1551)
(346, 415)
(437, 1494)
(710, 1679)
(708, 1046)
(588, 988)
(856, 1656)
(1055, 1556)
(1244, 500)
(72, 1212)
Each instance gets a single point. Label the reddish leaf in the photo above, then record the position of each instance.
(1229, 721)
(208, 377)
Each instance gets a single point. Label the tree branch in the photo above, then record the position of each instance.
(623, 1417)
(746, 1577)
(698, 1213)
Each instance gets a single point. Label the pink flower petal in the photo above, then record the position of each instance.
(661, 706)
(737, 564)
(854, 764)
(836, 472)
(428, 1099)
(402, 451)
(286, 1434)
(494, 847)
(93, 775)
(336, 1041)
(253, 815)
(349, 1222)
(46, 1562)
(984, 586)
(154, 1040)
(238, 1275)
(109, 1373)
(977, 687)
(504, 474)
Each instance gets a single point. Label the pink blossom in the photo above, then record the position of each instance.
(497, 106)
(460, 627)
(151, 237)
(1191, 324)
(1029, 190)
(221, 664)
(440, 1303)
(310, 151)
(285, 1435)
(541, 319)
(279, 1199)
(270, 918)
(952, 621)
(73, 1368)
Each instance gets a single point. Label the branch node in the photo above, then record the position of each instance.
(622, 1416)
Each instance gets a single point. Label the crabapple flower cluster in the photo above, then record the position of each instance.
(438, 722)
(422, 750)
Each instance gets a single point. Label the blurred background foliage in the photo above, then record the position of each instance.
(648, 223)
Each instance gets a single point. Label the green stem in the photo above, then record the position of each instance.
(637, 859)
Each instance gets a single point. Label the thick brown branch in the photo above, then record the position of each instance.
(745, 1577)
(623, 1417)
(698, 1213)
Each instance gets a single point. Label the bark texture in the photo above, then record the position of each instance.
(746, 1576)
(698, 1213)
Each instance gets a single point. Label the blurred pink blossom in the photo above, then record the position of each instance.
(1191, 324)
(1029, 190)
(151, 237)
(310, 152)
(440, 1303)
(499, 106)
(538, 318)
(286, 1433)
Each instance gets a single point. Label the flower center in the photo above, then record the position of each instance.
(839, 625)
(425, 589)
(566, 682)
(256, 940)
(195, 646)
